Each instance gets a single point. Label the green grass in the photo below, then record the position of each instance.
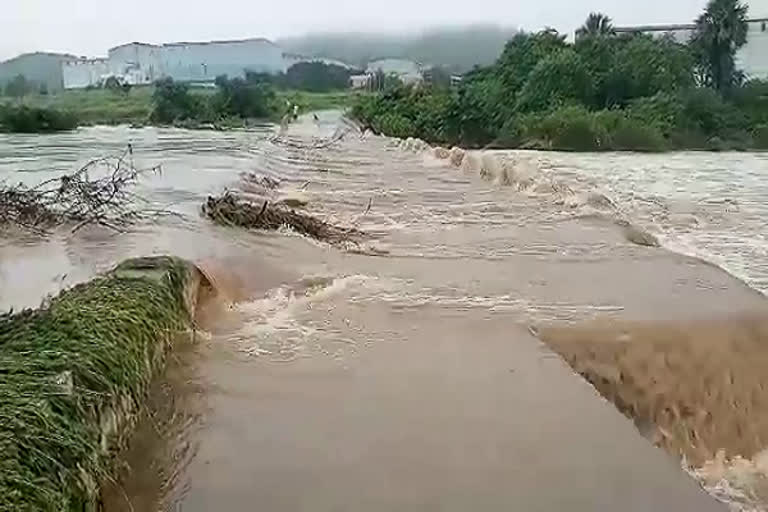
(94, 346)
(100, 106)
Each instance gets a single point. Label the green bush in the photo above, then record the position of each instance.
(567, 129)
(239, 98)
(760, 136)
(752, 99)
(706, 111)
(173, 102)
(632, 135)
(395, 125)
(662, 111)
(604, 92)
(24, 119)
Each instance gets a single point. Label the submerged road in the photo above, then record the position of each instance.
(406, 378)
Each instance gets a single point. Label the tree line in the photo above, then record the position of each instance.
(605, 91)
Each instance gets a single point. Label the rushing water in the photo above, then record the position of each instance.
(401, 374)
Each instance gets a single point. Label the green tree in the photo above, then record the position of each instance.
(240, 98)
(559, 79)
(173, 102)
(720, 31)
(645, 66)
(317, 76)
(522, 53)
(597, 25)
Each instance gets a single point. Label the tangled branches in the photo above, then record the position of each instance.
(230, 210)
(79, 198)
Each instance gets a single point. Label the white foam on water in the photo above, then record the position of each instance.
(271, 325)
(741, 484)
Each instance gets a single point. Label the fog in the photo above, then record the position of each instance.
(90, 27)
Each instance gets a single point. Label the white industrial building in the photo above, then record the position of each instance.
(752, 58)
(140, 63)
(408, 71)
(80, 73)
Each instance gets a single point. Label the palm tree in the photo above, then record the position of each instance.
(720, 31)
(597, 24)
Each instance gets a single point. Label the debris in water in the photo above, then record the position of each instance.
(231, 210)
(78, 198)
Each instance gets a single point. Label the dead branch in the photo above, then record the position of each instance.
(79, 198)
(230, 210)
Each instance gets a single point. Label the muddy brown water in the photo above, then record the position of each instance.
(409, 373)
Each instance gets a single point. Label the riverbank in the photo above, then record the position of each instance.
(76, 372)
(134, 107)
(697, 120)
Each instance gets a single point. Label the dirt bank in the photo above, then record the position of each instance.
(693, 387)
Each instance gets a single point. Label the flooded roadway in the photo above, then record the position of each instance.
(408, 377)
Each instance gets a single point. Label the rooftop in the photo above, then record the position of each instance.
(672, 27)
(196, 43)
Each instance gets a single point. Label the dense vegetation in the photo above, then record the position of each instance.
(603, 92)
(92, 349)
(315, 76)
(235, 98)
(253, 97)
(24, 119)
(310, 86)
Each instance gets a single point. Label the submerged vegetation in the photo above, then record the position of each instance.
(606, 91)
(73, 373)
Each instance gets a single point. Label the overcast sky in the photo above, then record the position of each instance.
(90, 27)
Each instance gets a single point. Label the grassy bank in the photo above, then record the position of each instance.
(102, 106)
(25, 119)
(74, 372)
(98, 106)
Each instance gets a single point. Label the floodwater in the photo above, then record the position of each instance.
(432, 367)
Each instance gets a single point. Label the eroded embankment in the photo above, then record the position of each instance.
(695, 388)
(74, 374)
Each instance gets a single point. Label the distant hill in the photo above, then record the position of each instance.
(40, 68)
(459, 48)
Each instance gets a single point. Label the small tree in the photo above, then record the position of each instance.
(317, 76)
(720, 31)
(173, 102)
(239, 98)
(597, 24)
